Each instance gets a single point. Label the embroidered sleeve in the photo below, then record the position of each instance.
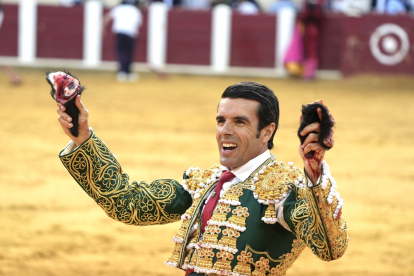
(314, 215)
(100, 175)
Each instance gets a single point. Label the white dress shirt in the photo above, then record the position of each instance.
(127, 19)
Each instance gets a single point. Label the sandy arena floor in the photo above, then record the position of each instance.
(159, 128)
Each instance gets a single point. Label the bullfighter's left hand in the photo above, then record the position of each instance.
(313, 164)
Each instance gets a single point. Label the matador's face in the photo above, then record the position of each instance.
(237, 136)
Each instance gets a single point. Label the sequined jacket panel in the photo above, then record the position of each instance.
(242, 237)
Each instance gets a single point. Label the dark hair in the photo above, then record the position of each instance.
(268, 110)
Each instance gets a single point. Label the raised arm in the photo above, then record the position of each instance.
(314, 215)
(100, 175)
(314, 212)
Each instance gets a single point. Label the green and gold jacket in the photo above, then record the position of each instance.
(243, 236)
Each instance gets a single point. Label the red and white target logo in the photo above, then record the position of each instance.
(389, 44)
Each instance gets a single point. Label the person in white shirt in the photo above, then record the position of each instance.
(127, 19)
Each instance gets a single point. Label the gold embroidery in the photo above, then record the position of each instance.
(314, 223)
(270, 213)
(223, 262)
(232, 195)
(181, 232)
(271, 183)
(311, 217)
(262, 267)
(205, 258)
(97, 171)
(211, 235)
(187, 259)
(221, 211)
(243, 266)
(249, 249)
(336, 230)
(216, 226)
(94, 167)
(229, 234)
(266, 264)
(228, 241)
(247, 184)
(238, 220)
(173, 259)
(198, 180)
(288, 259)
(193, 258)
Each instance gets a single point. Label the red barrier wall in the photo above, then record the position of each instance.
(189, 37)
(331, 42)
(9, 31)
(345, 44)
(358, 56)
(344, 41)
(59, 32)
(253, 40)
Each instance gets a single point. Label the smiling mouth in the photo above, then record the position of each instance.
(229, 146)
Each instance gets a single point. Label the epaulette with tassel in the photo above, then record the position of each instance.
(271, 186)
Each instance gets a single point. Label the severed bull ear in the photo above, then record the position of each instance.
(309, 116)
(65, 88)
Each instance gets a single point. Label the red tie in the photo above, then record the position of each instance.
(212, 202)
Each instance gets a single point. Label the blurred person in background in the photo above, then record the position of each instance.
(13, 77)
(126, 20)
(282, 4)
(311, 18)
(302, 58)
